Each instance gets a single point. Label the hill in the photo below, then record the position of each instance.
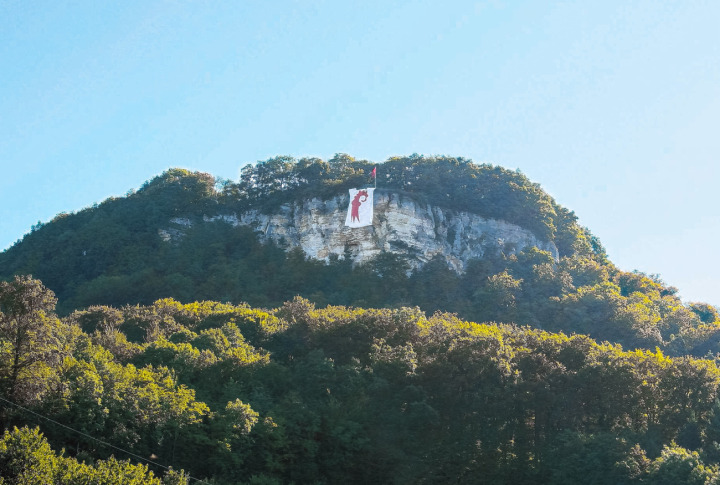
(119, 237)
(207, 326)
(477, 240)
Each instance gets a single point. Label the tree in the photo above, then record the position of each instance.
(706, 313)
(678, 465)
(30, 333)
(26, 458)
(593, 458)
(496, 299)
(116, 472)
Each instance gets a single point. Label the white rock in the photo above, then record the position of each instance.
(400, 226)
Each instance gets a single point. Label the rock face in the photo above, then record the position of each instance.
(401, 226)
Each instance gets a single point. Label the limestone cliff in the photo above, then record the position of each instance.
(401, 225)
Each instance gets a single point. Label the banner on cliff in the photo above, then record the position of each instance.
(360, 210)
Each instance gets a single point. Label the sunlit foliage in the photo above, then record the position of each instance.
(234, 361)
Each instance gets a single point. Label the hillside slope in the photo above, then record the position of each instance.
(188, 236)
(234, 394)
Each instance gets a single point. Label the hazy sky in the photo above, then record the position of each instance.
(612, 106)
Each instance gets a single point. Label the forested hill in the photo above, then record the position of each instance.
(213, 356)
(112, 254)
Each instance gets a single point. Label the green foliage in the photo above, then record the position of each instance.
(678, 465)
(32, 339)
(337, 394)
(706, 313)
(26, 458)
(113, 254)
(334, 373)
(594, 458)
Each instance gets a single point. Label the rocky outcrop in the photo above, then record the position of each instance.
(401, 225)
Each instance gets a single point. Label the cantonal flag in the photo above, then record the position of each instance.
(360, 210)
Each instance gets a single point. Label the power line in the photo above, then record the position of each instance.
(94, 438)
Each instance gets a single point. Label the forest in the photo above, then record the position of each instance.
(219, 359)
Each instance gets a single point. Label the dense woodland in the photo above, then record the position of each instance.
(284, 370)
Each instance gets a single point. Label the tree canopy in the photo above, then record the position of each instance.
(235, 394)
(215, 357)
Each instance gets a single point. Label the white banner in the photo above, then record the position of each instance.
(360, 210)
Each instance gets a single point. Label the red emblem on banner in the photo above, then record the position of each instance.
(356, 203)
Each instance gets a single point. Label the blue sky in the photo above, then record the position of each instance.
(612, 106)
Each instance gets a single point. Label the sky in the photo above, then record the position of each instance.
(613, 107)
